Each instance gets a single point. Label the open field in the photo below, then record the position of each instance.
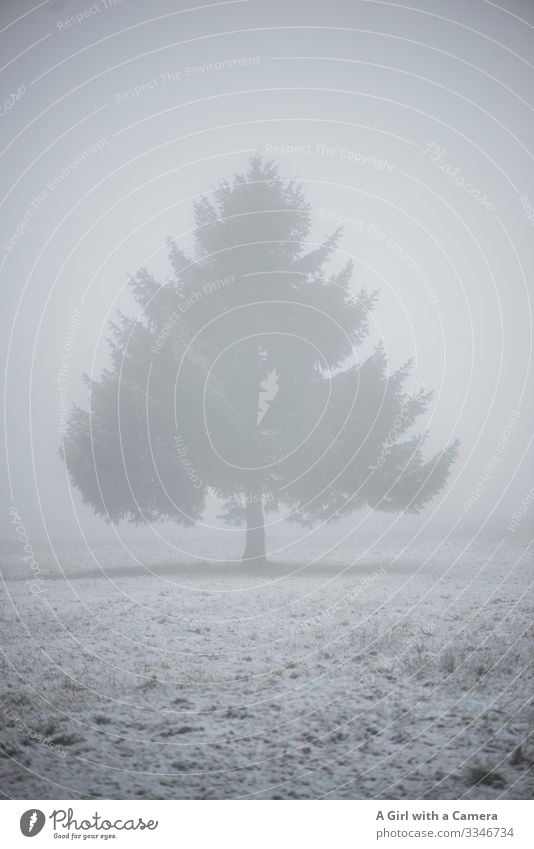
(403, 675)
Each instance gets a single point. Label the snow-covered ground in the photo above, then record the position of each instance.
(403, 674)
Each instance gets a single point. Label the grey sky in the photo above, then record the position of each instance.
(412, 125)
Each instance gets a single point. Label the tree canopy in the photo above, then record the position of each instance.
(239, 377)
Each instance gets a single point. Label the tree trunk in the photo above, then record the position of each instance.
(254, 553)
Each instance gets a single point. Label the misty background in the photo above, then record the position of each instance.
(386, 655)
(346, 97)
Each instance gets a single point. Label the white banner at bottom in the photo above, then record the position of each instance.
(266, 824)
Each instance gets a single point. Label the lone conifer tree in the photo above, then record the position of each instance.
(239, 377)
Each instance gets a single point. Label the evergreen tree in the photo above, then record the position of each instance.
(240, 378)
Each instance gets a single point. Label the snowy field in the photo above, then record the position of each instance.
(402, 675)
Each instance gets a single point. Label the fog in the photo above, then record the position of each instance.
(372, 107)
(266, 308)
